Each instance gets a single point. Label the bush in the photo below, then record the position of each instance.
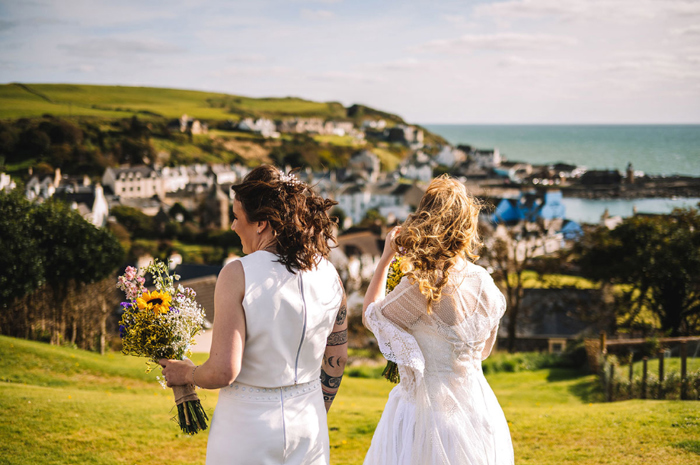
(523, 361)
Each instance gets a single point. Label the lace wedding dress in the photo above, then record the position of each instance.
(443, 411)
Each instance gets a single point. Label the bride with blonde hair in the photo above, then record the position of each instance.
(437, 325)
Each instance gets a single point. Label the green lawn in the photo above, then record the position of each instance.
(341, 141)
(62, 406)
(672, 364)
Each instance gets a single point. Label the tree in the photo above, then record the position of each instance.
(658, 259)
(75, 253)
(49, 255)
(510, 253)
(372, 218)
(135, 221)
(19, 256)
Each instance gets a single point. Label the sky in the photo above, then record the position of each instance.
(439, 61)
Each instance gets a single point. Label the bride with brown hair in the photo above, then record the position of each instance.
(279, 342)
(437, 325)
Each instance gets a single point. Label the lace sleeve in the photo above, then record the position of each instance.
(389, 320)
(492, 300)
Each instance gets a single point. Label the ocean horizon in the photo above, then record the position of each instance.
(656, 149)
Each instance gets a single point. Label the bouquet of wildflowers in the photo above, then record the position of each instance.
(391, 371)
(159, 324)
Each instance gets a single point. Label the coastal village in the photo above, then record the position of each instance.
(523, 204)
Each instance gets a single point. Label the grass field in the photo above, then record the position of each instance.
(31, 100)
(61, 406)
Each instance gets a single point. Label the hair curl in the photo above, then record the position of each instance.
(298, 217)
(443, 229)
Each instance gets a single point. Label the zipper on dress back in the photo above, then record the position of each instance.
(303, 330)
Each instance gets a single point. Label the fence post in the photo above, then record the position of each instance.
(644, 377)
(611, 382)
(661, 374)
(603, 349)
(631, 375)
(684, 367)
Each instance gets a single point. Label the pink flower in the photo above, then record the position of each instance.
(130, 273)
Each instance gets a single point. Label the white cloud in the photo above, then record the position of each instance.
(656, 66)
(504, 60)
(397, 65)
(316, 14)
(500, 41)
(693, 30)
(518, 61)
(248, 58)
(106, 47)
(685, 8)
(254, 71)
(346, 76)
(599, 10)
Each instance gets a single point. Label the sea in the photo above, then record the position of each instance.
(653, 149)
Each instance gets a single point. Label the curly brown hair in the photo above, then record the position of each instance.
(297, 215)
(442, 229)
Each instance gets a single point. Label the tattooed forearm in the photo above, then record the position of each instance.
(331, 382)
(328, 396)
(342, 313)
(336, 339)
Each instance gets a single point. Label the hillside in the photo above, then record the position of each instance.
(85, 128)
(32, 100)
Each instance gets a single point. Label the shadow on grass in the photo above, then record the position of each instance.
(689, 445)
(586, 388)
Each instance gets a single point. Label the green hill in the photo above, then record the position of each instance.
(32, 100)
(62, 406)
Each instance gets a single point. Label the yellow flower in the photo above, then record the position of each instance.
(158, 302)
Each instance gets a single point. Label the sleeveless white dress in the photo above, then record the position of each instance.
(274, 412)
(443, 411)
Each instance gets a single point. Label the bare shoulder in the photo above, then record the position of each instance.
(232, 277)
(233, 269)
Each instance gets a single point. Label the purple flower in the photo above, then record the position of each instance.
(122, 331)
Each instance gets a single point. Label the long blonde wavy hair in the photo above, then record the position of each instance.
(443, 229)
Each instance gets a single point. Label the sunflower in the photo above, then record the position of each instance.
(158, 302)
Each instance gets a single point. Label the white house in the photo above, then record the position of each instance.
(174, 178)
(192, 125)
(88, 200)
(374, 124)
(450, 156)
(134, 182)
(225, 174)
(487, 158)
(44, 188)
(201, 178)
(6, 182)
(388, 198)
(263, 126)
(339, 128)
(364, 164)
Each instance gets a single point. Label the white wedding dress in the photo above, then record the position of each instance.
(443, 411)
